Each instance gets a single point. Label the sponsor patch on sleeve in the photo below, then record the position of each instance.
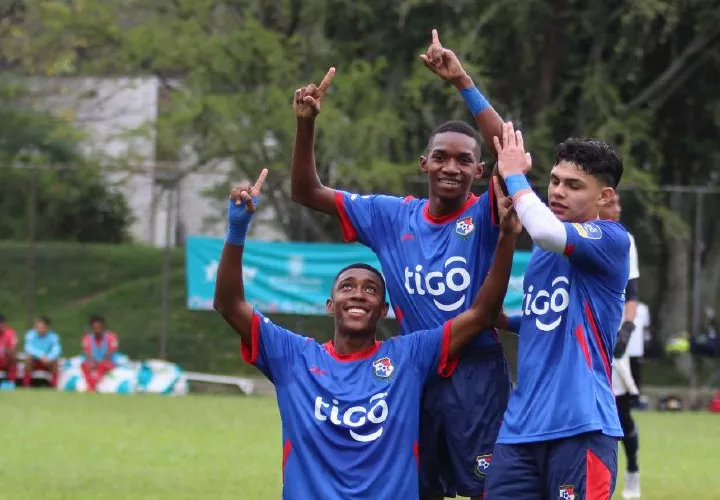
(588, 230)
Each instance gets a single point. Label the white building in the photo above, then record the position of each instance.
(117, 116)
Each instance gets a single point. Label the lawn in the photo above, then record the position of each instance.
(80, 446)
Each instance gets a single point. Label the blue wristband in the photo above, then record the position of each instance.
(515, 183)
(474, 100)
(238, 222)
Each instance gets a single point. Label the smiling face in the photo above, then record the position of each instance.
(576, 196)
(358, 302)
(452, 165)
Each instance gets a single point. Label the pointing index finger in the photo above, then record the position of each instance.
(435, 37)
(260, 181)
(327, 80)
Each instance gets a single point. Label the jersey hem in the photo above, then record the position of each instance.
(550, 436)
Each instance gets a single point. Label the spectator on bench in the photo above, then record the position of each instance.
(8, 353)
(42, 347)
(99, 349)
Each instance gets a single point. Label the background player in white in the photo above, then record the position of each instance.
(350, 408)
(624, 383)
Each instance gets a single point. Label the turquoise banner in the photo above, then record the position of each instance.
(291, 277)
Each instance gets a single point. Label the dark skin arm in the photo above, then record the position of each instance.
(485, 309)
(444, 63)
(305, 186)
(229, 289)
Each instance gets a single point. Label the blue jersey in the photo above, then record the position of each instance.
(350, 423)
(433, 266)
(47, 345)
(572, 308)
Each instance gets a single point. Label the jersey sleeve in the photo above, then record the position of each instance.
(113, 343)
(366, 219)
(273, 349)
(489, 218)
(429, 349)
(599, 245)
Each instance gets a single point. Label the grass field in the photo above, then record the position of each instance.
(80, 446)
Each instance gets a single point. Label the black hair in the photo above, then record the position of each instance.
(45, 320)
(96, 318)
(459, 127)
(595, 157)
(361, 265)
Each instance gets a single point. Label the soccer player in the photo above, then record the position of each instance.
(560, 431)
(435, 254)
(43, 349)
(350, 408)
(99, 348)
(624, 384)
(8, 353)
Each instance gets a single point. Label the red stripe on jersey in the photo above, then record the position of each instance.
(287, 448)
(348, 230)
(446, 367)
(569, 249)
(494, 216)
(598, 340)
(580, 336)
(598, 479)
(416, 452)
(398, 314)
(250, 353)
(450, 217)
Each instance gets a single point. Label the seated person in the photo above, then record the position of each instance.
(42, 347)
(8, 353)
(99, 352)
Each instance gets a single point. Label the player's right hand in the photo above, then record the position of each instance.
(443, 62)
(244, 199)
(308, 100)
(512, 158)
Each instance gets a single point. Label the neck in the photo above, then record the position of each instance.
(439, 207)
(348, 344)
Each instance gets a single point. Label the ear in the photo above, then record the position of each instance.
(423, 165)
(479, 170)
(607, 195)
(330, 307)
(384, 310)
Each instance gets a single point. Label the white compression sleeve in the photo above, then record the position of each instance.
(544, 228)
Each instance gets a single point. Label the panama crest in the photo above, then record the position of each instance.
(482, 465)
(464, 226)
(567, 492)
(383, 368)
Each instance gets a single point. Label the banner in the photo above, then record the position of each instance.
(292, 277)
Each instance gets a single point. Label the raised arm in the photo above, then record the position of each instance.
(229, 290)
(444, 63)
(305, 186)
(485, 309)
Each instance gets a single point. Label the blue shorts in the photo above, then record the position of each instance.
(459, 422)
(578, 467)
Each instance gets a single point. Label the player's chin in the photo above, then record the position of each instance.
(358, 324)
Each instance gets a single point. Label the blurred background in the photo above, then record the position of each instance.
(123, 124)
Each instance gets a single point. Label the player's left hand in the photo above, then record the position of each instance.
(512, 158)
(509, 221)
(244, 199)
